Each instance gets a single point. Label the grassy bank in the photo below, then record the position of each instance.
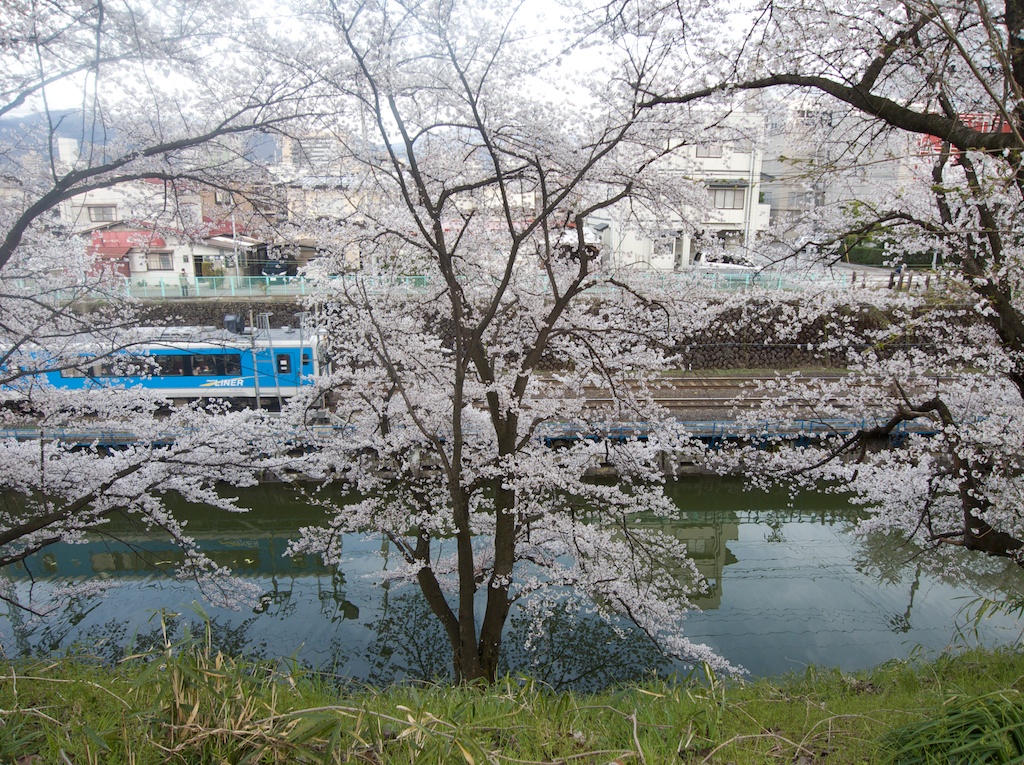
(190, 705)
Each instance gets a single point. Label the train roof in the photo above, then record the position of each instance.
(216, 336)
(189, 338)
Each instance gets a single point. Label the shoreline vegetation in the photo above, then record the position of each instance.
(188, 703)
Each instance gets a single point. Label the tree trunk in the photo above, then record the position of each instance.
(467, 655)
(498, 587)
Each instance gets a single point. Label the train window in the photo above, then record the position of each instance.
(203, 366)
(232, 364)
(199, 364)
(218, 364)
(173, 364)
(72, 372)
(284, 364)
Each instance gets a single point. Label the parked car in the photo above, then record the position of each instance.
(277, 271)
(275, 268)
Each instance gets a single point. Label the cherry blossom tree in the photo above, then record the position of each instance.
(480, 314)
(948, 76)
(95, 94)
(137, 92)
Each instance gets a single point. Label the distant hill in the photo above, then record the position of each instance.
(29, 133)
(68, 123)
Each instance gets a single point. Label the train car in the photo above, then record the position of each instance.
(187, 363)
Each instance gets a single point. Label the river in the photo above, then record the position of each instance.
(790, 586)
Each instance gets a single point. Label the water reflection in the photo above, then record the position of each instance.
(788, 586)
(706, 536)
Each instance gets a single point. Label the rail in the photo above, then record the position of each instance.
(272, 286)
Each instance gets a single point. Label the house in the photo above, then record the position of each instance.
(150, 256)
(150, 234)
(150, 230)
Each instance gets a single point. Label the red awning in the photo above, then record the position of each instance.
(110, 251)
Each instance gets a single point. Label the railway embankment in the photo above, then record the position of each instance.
(757, 337)
(247, 710)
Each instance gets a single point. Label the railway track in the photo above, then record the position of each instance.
(714, 397)
(703, 397)
(684, 395)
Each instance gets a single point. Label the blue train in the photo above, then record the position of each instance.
(187, 363)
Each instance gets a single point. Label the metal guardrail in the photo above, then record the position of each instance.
(256, 286)
(782, 281)
(99, 438)
(713, 433)
(218, 287)
(270, 286)
(297, 286)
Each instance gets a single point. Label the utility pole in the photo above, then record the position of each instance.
(255, 363)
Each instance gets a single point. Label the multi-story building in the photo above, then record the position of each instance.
(819, 157)
(717, 229)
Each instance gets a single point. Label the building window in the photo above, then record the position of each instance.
(728, 199)
(102, 213)
(801, 200)
(159, 261)
(813, 118)
(705, 150)
(662, 244)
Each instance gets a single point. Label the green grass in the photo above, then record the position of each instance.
(968, 729)
(189, 704)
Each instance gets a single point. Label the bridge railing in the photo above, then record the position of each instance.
(255, 286)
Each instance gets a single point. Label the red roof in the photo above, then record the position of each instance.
(221, 227)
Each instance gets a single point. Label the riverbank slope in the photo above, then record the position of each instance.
(186, 704)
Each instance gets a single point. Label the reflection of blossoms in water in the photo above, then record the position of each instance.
(116, 639)
(410, 642)
(44, 603)
(564, 645)
(892, 559)
(568, 645)
(822, 596)
(229, 638)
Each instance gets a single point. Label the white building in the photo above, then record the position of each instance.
(820, 156)
(720, 227)
(151, 201)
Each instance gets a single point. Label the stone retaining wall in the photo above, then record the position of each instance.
(210, 312)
